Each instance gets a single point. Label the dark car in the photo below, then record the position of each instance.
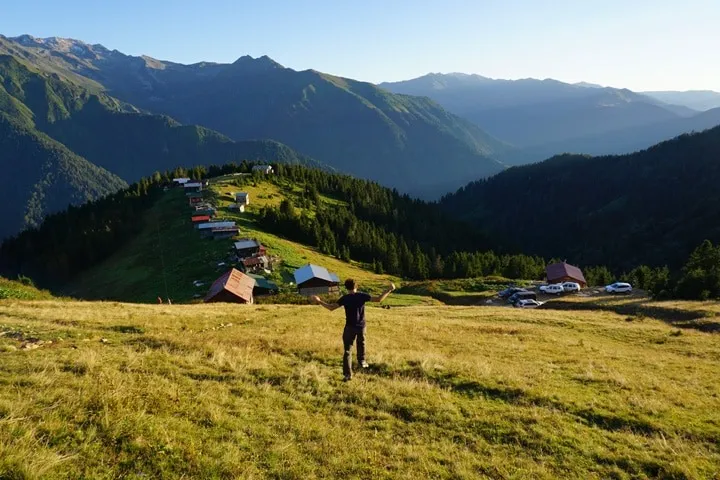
(523, 295)
(510, 291)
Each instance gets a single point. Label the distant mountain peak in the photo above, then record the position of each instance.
(63, 45)
(257, 64)
(587, 85)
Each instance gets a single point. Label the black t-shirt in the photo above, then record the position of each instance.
(354, 304)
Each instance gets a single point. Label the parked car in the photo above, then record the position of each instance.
(510, 291)
(529, 303)
(524, 295)
(555, 289)
(619, 287)
(571, 287)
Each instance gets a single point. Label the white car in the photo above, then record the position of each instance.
(571, 287)
(555, 289)
(527, 304)
(619, 287)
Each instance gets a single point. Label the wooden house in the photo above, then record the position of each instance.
(204, 210)
(211, 225)
(563, 272)
(233, 287)
(242, 198)
(259, 262)
(315, 280)
(247, 247)
(217, 229)
(195, 198)
(193, 187)
(222, 233)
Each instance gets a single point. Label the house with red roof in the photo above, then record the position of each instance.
(233, 287)
(564, 272)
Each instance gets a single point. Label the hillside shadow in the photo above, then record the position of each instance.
(702, 320)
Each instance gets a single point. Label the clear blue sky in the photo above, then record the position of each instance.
(638, 44)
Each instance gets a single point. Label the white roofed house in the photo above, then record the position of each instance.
(193, 186)
(211, 225)
(315, 280)
(181, 181)
(214, 229)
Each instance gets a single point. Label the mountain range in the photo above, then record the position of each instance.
(90, 120)
(356, 127)
(547, 117)
(62, 144)
(700, 100)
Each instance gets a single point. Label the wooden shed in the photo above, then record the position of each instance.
(233, 287)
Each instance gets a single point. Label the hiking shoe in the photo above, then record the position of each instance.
(347, 378)
(365, 365)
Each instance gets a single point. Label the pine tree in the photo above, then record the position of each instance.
(701, 274)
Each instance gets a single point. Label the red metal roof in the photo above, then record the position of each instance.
(560, 271)
(201, 218)
(233, 282)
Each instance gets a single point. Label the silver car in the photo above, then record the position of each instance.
(527, 304)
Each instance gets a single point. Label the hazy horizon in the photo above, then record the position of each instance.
(644, 46)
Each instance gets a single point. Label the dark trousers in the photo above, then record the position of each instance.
(349, 335)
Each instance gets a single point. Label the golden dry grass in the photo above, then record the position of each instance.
(256, 392)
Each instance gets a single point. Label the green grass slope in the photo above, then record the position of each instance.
(169, 250)
(17, 290)
(146, 391)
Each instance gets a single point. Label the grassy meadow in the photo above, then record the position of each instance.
(111, 390)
